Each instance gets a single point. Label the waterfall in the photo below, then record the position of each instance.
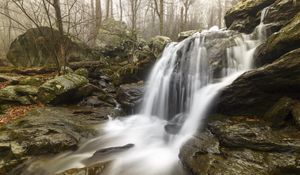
(180, 90)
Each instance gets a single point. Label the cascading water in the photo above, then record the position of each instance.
(179, 92)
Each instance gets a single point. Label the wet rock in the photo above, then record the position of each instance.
(257, 91)
(46, 131)
(101, 154)
(286, 40)
(172, 128)
(40, 46)
(281, 12)
(94, 101)
(96, 169)
(279, 113)
(130, 96)
(61, 89)
(186, 34)
(244, 16)
(242, 146)
(254, 134)
(175, 124)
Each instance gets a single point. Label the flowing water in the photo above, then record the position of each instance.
(179, 92)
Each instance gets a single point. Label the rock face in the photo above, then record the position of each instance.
(61, 88)
(256, 91)
(282, 11)
(39, 47)
(45, 131)
(244, 15)
(242, 146)
(287, 39)
(130, 96)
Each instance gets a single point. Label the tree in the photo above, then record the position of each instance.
(121, 10)
(134, 8)
(159, 8)
(186, 5)
(108, 8)
(98, 14)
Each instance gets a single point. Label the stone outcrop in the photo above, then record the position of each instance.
(158, 43)
(40, 46)
(256, 91)
(242, 145)
(61, 89)
(45, 131)
(130, 96)
(287, 39)
(246, 14)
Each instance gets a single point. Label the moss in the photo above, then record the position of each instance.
(34, 81)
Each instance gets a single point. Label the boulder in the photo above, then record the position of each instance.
(244, 16)
(286, 40)
(40, 46)
(255, 92)
(242, 145)
(186, 34)
(82, 72)
(21, 94)
(130, 96)
(95, 169)
(158, 44)
(114, 39)
(61, 89)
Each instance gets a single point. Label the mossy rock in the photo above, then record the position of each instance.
(244, 16)
(82, 72)
(286, 40)
(61, 88)
(33, 81)
(41, 46)
(158, 44)
(19, 94)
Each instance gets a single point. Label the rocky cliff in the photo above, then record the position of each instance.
(254, 128)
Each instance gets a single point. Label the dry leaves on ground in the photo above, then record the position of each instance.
(16, 112)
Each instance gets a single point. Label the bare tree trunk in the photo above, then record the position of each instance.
(111, 9)
(181, 19)
(107, 8)
(98, 14)
(121, 10)
(159, 8)
(220, 13)
(161, 18)
(6, 11)
(59, 24)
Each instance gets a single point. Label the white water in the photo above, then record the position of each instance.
(180, 89)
